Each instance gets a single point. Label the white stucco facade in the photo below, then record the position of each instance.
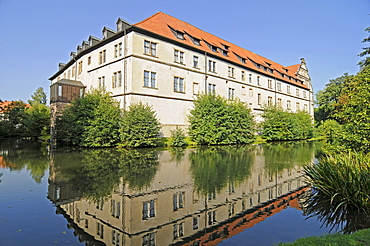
(139, 65)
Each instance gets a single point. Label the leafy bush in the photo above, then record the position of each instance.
(281, 125)
(214, 120)
(343, 179)
(139, 127)
(92, 120)
(177, 138)
(330, 129)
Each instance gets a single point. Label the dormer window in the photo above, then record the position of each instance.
(225, 53)
(213, 48)
(226, 47)
(180, 35)
(196, 41)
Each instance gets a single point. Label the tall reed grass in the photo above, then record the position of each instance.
(343, 179)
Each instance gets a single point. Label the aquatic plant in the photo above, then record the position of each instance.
(343, 179)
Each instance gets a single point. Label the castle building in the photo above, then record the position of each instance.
(166, 63)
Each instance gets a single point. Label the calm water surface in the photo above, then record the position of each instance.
(249, 195)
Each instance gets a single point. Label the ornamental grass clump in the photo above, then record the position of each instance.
(343, 179)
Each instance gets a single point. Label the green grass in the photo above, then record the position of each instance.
(361, 237)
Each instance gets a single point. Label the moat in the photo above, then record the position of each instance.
(228, 195)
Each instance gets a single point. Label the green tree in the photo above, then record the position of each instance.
(15, 115)
(139, 127)
(327, 100)
(354, 112)
(92, 120)
(37, 120)
(214, 120)
(280, 125)
(366, 51)
(38, 97)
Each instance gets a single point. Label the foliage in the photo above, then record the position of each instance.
(14, 115)
(281, 125)
(38, 97)
(327, 100)
(92, 120)
(214, 120)
(330, 129)
(365, 63)
(354, 112)
(37, 120)
(177, 138)
(139, 127)
(358, 238)
(102, 129)
(343, 179)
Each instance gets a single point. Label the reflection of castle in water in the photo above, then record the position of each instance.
(173, 209)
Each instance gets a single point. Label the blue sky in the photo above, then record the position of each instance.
(36, 35)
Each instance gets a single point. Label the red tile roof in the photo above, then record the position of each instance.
(4, 105)
(161, 23)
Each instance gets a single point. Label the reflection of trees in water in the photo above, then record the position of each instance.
(213, 168)
(25, 154)
(96, 173)
(341, 219)
(286, 155)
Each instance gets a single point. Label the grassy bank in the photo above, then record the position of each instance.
(361, 237)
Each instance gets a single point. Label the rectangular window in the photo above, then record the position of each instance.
(243, 90)
(304, 94)
(212, 66)
(79, 67)
(258, 80)
(195, 88)
(178, 84)
(195, 223)
(288, 105)
(100, 230)
(148, 240)
(279, 86)
(259, 99)
(148, 209)
(102, 56)
(89, 60)
(195, 61)
(101, 82)
(231, 94)
(269, 83)
(288, 89)
(212, 89)
(179, 56)
(60, 90)
(243, 76)
(305, 107)
(250, 78)
(150, 48)
(73, 71)
(231, 72)
(279, 102)
(115, 208)
(297, 106)
(150, 79)
(117, 50)
(269, 101)
(297, 92)
(117, 79)
(250, 92)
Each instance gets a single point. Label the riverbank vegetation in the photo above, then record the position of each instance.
(282, 125)
(96, 120)
(342, 175)
(361, 237)
(30, 120)
(216, 121)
